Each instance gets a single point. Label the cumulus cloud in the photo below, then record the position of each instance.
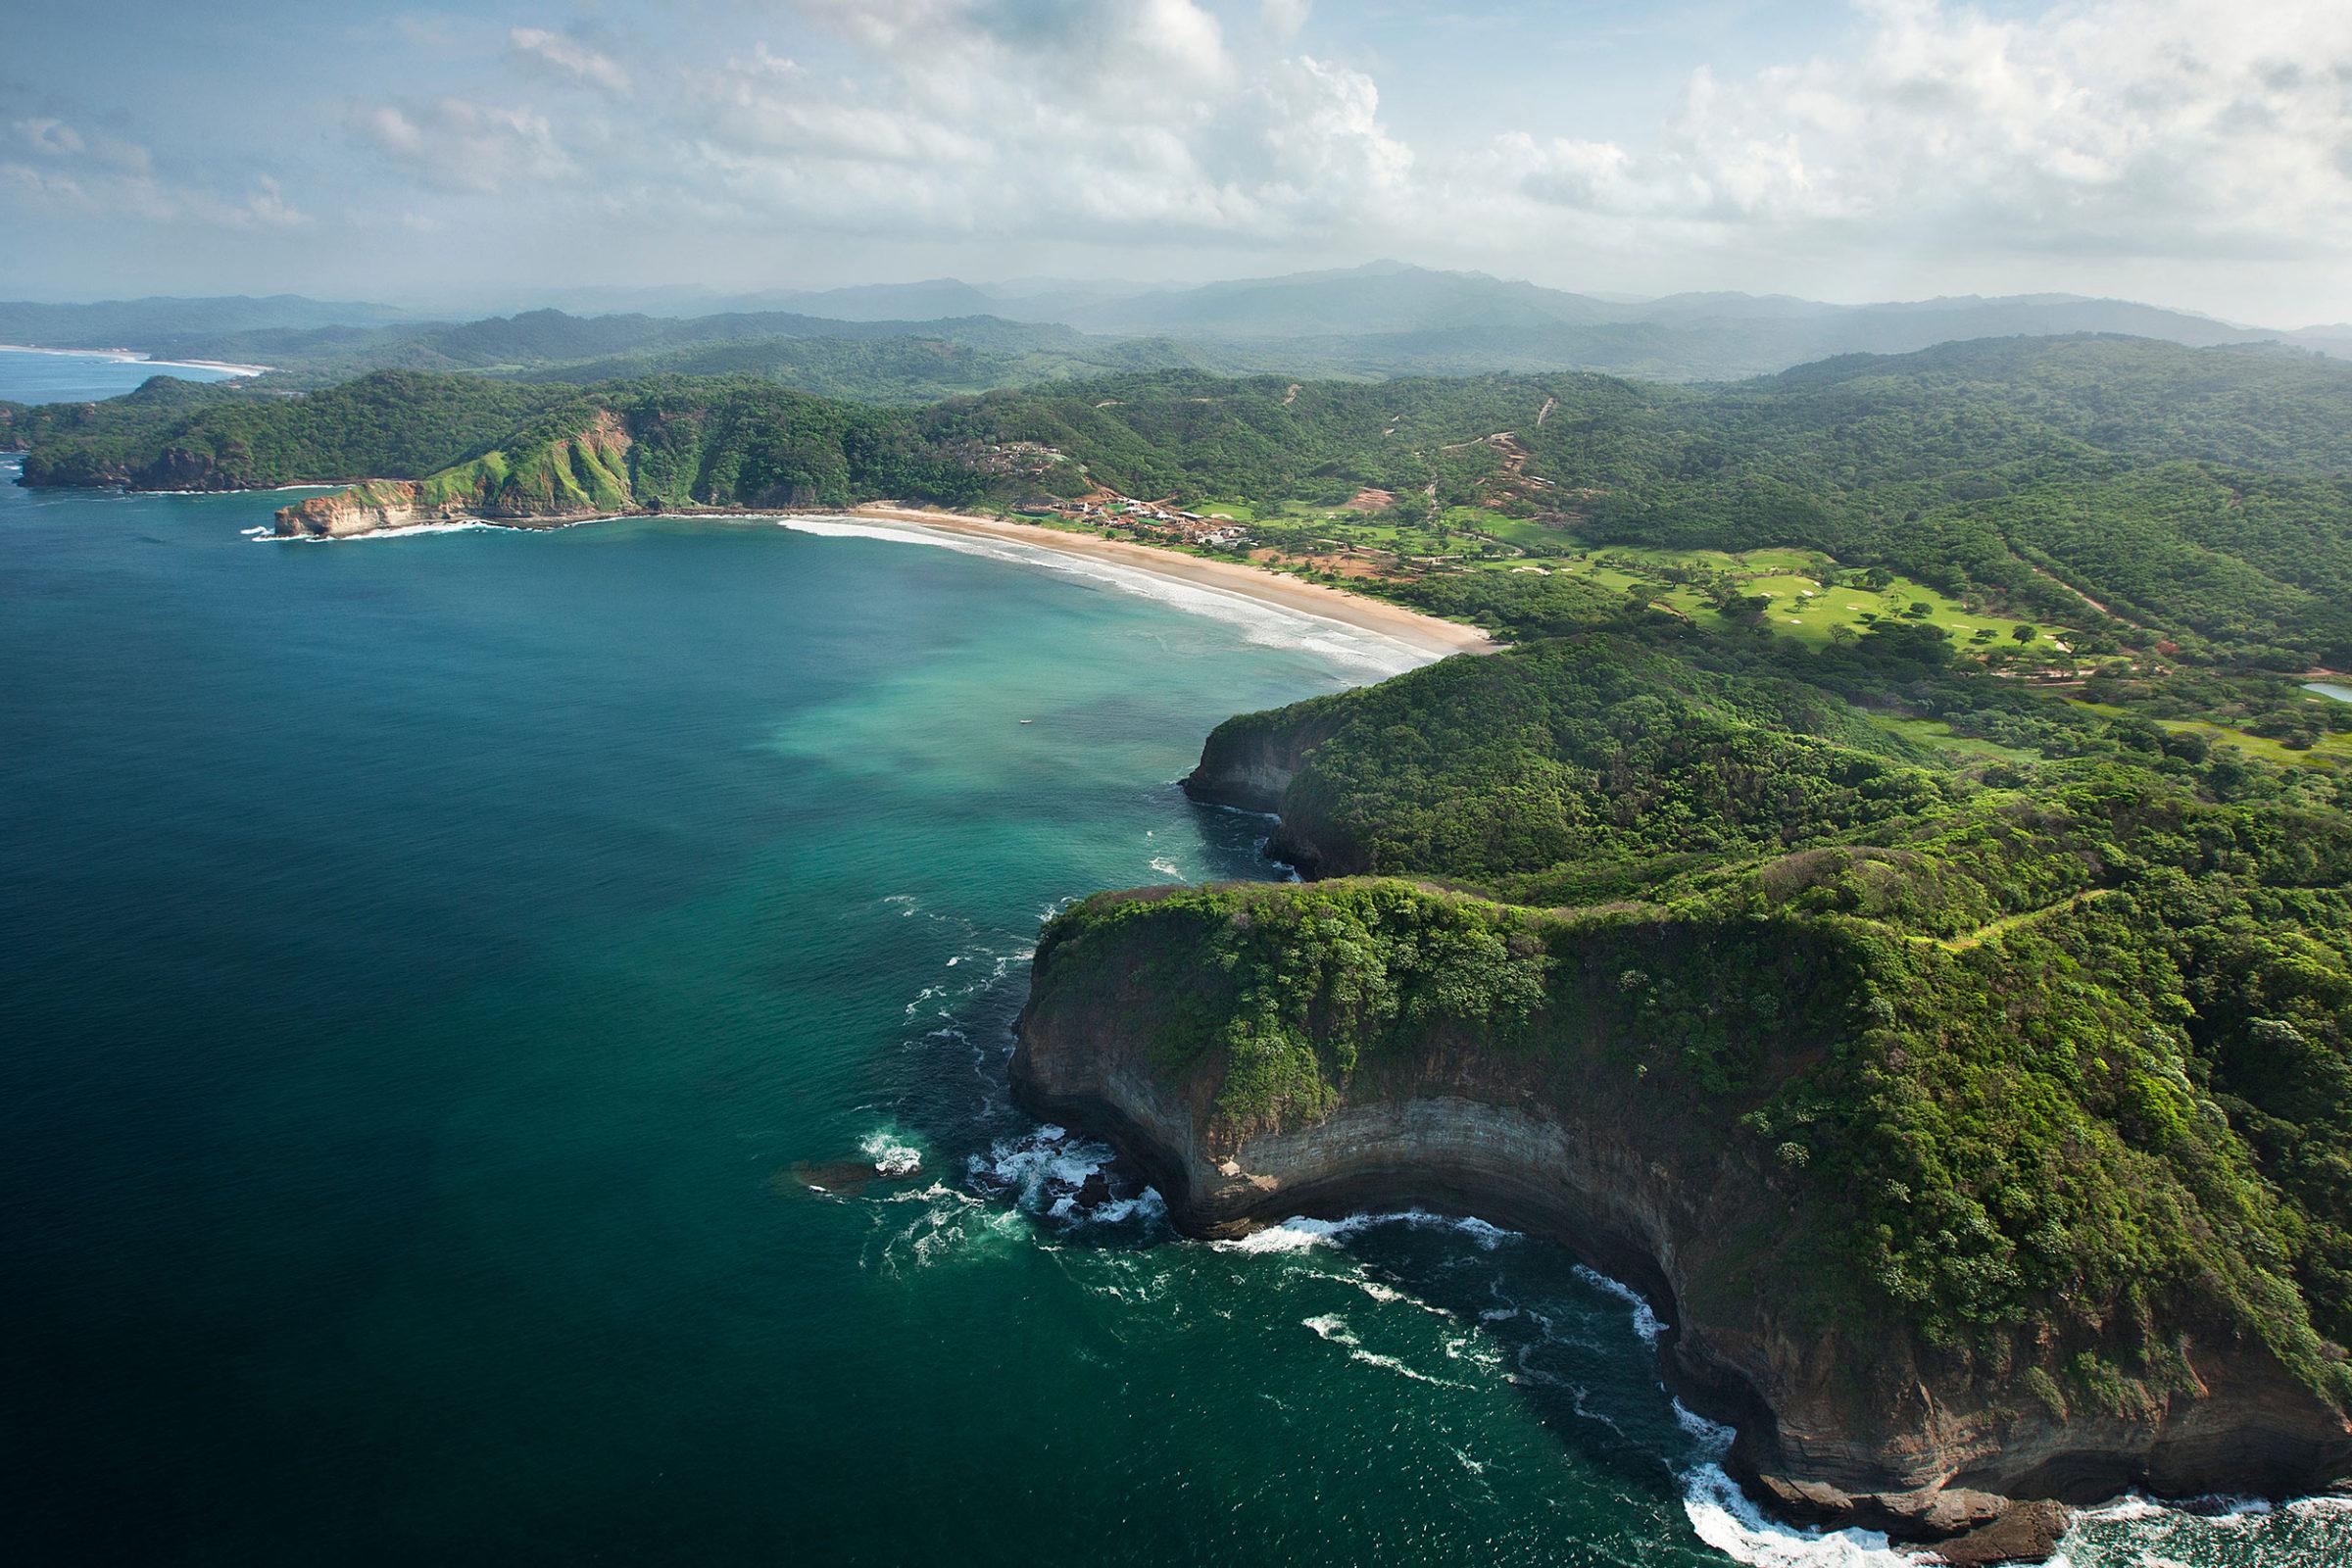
(457, 144)
(567, 59)
(265, 207)
(1134, 123)
(2118, 126)
(2041, 144)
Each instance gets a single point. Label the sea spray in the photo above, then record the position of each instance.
(891, 1157)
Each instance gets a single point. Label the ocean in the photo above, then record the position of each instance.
(456, 992)
(41, 375)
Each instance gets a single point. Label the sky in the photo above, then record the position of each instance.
(2190, 153)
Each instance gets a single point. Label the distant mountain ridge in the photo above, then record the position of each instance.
(940, 336)
(150, 324)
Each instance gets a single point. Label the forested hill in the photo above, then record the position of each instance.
(900, 362)
(2199, 493)
(913, 343)
(2073, 1114)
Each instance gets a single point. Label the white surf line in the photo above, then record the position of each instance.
(1257, 617)
(136, 357)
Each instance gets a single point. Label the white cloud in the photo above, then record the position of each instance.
(2198, 150)
(1325, 151)
(99, 174)
(2120, 126)
(1282, 18)
(456, 144)
(54, 139)
(265, 207)
(43, 135)
(1134, 123)
(568, 59)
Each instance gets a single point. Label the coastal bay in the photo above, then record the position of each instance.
(786, 875)
(77, 375)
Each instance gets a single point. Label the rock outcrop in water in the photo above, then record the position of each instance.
(1607, 1077)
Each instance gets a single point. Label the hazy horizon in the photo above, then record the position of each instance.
(2181, 153)
(647, 297)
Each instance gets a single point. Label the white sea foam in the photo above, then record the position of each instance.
(1333, 1329)
(891, 1157)
(1725, 1519)
(950, 1223)
(1045, 1170)
(1713, 1436)
(1389, 1296)
(1167, 869)
(2321, 1508)
(1271, 626)
(1298, 1233)
(1645, 1321)
(411, 531)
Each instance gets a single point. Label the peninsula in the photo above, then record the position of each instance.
(1943, 1207)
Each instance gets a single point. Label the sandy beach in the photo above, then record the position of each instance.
(1427, 633)
(135, 357)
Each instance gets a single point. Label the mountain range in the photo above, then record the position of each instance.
(902, 342)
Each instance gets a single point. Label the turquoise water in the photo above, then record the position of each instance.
(439, 973)
(46, 377)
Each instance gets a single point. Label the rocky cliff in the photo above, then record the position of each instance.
(1342, 1047)
(362, 508)
(1250, 762)
(578, 470)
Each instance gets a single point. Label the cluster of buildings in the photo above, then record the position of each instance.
(1030, 458)
(1145, 517)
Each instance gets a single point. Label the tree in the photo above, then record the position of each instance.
(2025, 633)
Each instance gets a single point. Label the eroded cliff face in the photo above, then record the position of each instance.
(573, 477)
(1249, 764)
(1841, 1418)
(361, 508)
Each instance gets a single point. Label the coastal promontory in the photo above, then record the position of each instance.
(1942, 1119)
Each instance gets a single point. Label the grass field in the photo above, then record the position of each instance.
(2332, 750)
(1935, 735)
(1807, 601)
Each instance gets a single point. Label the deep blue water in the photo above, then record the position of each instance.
(434, 969)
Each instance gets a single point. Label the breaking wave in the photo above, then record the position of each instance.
(891, 1157)
(1299, 1233)
(1266, 624)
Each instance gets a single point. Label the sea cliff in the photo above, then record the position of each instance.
(1489, 1067)
(1925, 1106)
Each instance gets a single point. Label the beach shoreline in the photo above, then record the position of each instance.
(1425, 634)
(135, 357)
(1360, 612)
